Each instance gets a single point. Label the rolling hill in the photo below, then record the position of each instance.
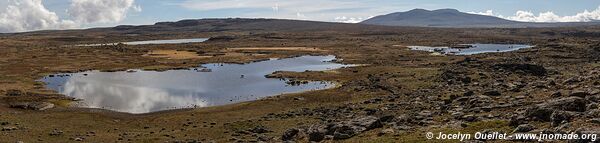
(455, 18)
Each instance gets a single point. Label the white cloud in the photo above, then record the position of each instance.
(344, 19)
(24, 15)
(549, 16)
(137, 8)
(487, 12)
(28, 15)
(100, 11)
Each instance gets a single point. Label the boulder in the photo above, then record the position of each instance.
(559, 117)
(579, 93)
(344, 129)
(290, 134)
(316, 133)
(576, 104)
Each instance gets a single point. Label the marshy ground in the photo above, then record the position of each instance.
(398, 95)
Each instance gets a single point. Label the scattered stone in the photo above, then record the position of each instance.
(10, 128)
(14, 92)
(32, 105)
(344, 129)
(535, 70)
(259, 130)
(299, 98)
(523, 128)
(385, 132)
(56, 132)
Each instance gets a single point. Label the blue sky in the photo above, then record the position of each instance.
(135, 12)
(172, 10)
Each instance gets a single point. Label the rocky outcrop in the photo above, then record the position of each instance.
(337, 130)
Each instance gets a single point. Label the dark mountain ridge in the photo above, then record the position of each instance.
(455, 18)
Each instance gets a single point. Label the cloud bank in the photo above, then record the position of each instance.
(101, 11)
(23, 15)
(320, 10)
(549, 16)
(28, 15)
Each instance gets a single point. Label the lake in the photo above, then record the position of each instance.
(472, 49)
(173, 41)
(138, 91)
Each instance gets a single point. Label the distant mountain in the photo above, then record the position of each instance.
(455, 18)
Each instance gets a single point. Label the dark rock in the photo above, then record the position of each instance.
(538, 113)
(572, 80)
(556, 94)
(591, 106)
(10, 128)
(576, 104)
(404, 118)
(221, 38)
(579, 93)
(595, 120)
(14, 92)
(593, 113)
(316, 133)
(469, 93)
(259, 130)
(370, 111)
(470, 118)
(350, 128)
(344, 132)
(386, 119)
(344, 129)
(290, 134)
(535, 70)
(559, 116)
(492, 93)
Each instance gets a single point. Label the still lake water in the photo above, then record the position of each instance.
(475, 49)
(174, 41)
(140, 91)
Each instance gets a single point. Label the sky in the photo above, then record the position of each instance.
(30, 15)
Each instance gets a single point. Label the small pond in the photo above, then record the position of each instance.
(173, 41)
(138, 91)
(470, 49)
